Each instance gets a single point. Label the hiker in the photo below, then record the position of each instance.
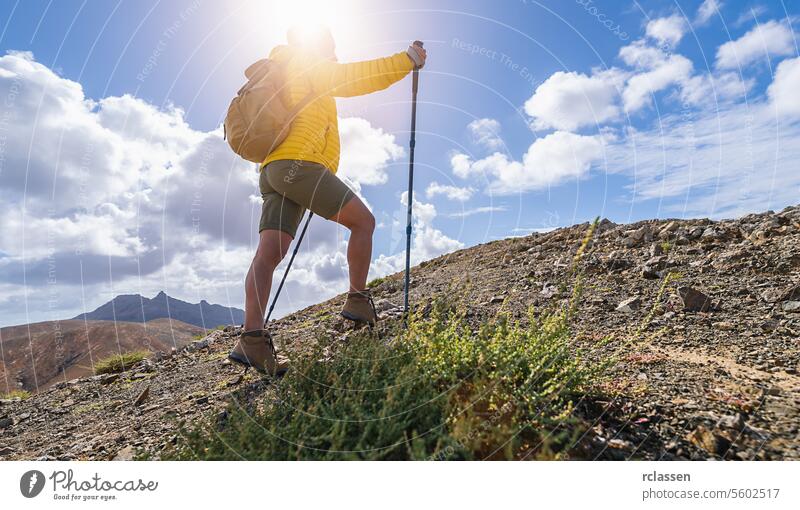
(300, 173)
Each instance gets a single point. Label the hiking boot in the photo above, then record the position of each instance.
(359, 307)
(255, 349)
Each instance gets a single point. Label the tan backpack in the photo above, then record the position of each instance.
(258, 120)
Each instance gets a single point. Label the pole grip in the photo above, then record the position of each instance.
(416, 69)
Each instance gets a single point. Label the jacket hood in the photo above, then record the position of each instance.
(285, 52)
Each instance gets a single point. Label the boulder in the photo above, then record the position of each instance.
(630, 305)
(653, 268)
(636, 237)
(791, 306)
(714, 444)
(777, 295)
(694, 300)
(142, 396)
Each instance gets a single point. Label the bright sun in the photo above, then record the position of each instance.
(312, 12)
(342, 17)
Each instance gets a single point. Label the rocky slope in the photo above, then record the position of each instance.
(707, 368)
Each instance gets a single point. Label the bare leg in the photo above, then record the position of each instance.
(272, 247)
(356, 217)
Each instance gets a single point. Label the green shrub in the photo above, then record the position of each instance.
(366, 402)
(438, 390)
(524, 379)
(374, 283)
(119, 362)
(201, 336)
(21, 394)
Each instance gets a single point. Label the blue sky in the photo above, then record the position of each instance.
(533, 115)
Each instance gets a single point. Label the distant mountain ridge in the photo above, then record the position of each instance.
(137, 308)
(38, 355)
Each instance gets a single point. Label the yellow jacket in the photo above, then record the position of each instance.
(314, 133)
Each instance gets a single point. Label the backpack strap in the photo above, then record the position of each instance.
(295, 111)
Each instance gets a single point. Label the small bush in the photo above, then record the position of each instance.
(119, 362)
(366, 402)
(438, 391)
(21, 394)
(374, 283)
(201, 336)
(514, 384)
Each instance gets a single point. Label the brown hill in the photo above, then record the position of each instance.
(707, 378)
(35, 356)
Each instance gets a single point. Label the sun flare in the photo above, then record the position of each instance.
(313, 12)
(344, 18)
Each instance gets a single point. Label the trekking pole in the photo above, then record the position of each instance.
(411, 143)
(286, 273)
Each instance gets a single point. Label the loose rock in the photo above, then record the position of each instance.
(629, 305)
(694, 300)
(142, 396)
(791, 306)
(714, 444)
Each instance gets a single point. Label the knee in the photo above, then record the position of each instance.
(269, 256)
(370, 223)
(366, 223)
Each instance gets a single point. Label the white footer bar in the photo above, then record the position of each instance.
(417, 485)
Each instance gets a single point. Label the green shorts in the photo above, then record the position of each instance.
(289, 187)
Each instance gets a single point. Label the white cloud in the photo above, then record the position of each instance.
(707, 90)
(478, 210)
(706, 10)
(92, 181)
(551, 160)
(570, 100)
(451, 192)
(422, 212)
(784, 92)
(669, 30)
(749, 15)
(461, 165)
(658, 71)
(721, 162)
(366, 151)
(641, 55)
(97, 233)
(491, 166)
(60, 151)
(486, 133)
(134, 120)
(770, 39)
(427, 242)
